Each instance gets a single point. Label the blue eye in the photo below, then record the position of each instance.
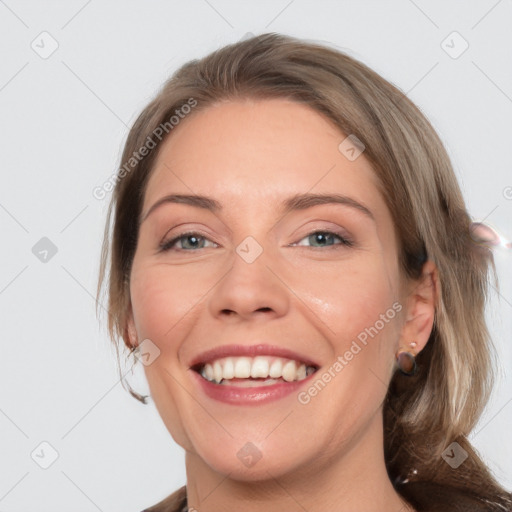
(324, 238)
(195, 241)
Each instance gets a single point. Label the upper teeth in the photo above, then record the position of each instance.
(255, 367)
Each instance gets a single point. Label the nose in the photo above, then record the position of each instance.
(250, 291)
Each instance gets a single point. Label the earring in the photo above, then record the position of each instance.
(407, 361)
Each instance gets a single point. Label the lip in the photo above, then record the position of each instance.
(249, 351)
(257, 395)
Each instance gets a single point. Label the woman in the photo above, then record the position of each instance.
(292, 259)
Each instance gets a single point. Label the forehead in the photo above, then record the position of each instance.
(259, 152)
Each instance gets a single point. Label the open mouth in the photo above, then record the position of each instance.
(253, 371)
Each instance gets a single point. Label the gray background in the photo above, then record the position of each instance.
(63, 122)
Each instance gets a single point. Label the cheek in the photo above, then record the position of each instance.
(163, 297)
(348, 297)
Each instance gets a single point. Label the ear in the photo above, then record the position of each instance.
(130, 332)
(422, 298)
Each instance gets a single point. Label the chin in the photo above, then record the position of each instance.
(248, 461)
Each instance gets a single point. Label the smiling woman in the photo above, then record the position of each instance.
(298, 254)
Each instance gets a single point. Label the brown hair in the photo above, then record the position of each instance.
(442, 402)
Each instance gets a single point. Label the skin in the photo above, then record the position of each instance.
(312, 297)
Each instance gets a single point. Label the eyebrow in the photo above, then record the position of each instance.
(296, 202)
(304, 201)
(204, 202)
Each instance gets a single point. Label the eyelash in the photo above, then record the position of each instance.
(167, 246)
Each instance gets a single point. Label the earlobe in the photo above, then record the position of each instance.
(130, 333)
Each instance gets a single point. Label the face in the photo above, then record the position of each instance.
(252, 280)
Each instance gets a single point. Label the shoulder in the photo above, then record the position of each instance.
(173, 503)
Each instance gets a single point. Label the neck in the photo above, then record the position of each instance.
(353, 480)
